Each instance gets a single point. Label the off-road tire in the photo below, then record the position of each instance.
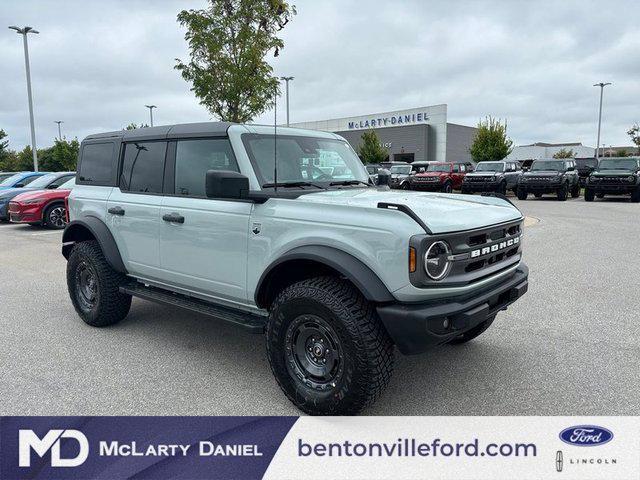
(502, 188)
(447, 187)
(522, 194)
(473, 333)
(635, 195)
(575, 191)
(367, 351)
(47, 217)
(589, 195)
(563, 192)
(110, 305)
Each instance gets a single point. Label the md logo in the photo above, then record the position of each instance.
(28, 441)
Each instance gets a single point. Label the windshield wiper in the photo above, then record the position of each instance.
(293, 185)
(349, 182)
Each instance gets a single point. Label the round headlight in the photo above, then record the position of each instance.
(436, 260)
(631, 178)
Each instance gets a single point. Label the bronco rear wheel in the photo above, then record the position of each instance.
(327, 347)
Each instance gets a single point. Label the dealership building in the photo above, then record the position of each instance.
(413, 135)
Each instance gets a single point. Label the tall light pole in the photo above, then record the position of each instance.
(59, 129)
(24, 31)
(151, 107)
(287, 80)
(601, 85)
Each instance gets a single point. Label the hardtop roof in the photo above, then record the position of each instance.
(201, 129)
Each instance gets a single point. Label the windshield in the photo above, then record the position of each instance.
(372, 170)
(439, 167)
(589, 162)
(10, 180)
(401, 169)
(618, 164)
(68, 185)
(540, 165)
(4, 176)
(43, 181)
(304, 159)
(490, 167)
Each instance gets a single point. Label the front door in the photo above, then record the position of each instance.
(133, 207)
(203, 242)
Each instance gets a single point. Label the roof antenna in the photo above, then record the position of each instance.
(275, 139)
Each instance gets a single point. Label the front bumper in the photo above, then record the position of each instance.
(426, 186)
(613, 189)
(417, 327)
(24, 213)
(480, 187)
(547, 187)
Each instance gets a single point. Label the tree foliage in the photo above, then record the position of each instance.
(564, 153)
(134, 126)
(61, 157)
(228, 43)
(370, 150)
(634, 133)
(491, 141)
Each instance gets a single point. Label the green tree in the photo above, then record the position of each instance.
(634, 133)
(228, 43)
(23, 160)
(61, 157)
(491, 141)
(134, 126)
(4, 144)
(564, 153)
(370, 150)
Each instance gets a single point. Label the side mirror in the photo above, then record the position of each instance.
(52, 187)
(384, 176)
(18, 185)
(226, 184)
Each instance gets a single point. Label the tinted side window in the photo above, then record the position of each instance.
(26, 181)
(143, 167)
(195, 157)
(456, 168)
(96, 163)
(60, 181)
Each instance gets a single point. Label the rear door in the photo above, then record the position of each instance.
(133, 208)
(456, 175)
(203, 241)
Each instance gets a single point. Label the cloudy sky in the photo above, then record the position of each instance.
(96, 64)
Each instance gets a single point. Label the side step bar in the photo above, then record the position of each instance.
(252, 323)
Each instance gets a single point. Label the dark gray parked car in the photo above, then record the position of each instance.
(492, 177)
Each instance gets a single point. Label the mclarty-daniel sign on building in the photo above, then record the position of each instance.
(416, 134)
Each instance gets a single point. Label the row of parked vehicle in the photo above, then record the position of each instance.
(560, 177)
(35, 198)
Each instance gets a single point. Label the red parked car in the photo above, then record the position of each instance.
(440, 177)
(42, 207)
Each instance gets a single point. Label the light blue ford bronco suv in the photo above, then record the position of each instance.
(283, 233)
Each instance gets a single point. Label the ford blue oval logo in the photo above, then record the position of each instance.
(586, 435)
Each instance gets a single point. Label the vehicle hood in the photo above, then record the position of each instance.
(46, 194)
(11, 192)
(613, 173)
(431, 174)
(542, 173)
(483, 174)
(441, 212)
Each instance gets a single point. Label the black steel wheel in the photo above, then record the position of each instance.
(563, 192)
(327, 348)
(447, 188)
(94, 286)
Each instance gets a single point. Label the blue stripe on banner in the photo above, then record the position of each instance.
(139, 447)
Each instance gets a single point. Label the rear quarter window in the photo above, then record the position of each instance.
(96, 163)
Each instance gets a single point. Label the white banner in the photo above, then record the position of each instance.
(460, 448)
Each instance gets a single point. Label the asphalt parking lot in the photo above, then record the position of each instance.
(569, 347)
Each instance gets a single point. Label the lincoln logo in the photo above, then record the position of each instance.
(495, 247)
(28, 441)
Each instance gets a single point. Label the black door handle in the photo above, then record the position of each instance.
(116, 211)
(173, 218)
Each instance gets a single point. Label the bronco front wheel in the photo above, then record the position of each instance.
(327, 347)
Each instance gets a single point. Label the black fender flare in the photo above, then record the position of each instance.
(84, 229)
(344, 263)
